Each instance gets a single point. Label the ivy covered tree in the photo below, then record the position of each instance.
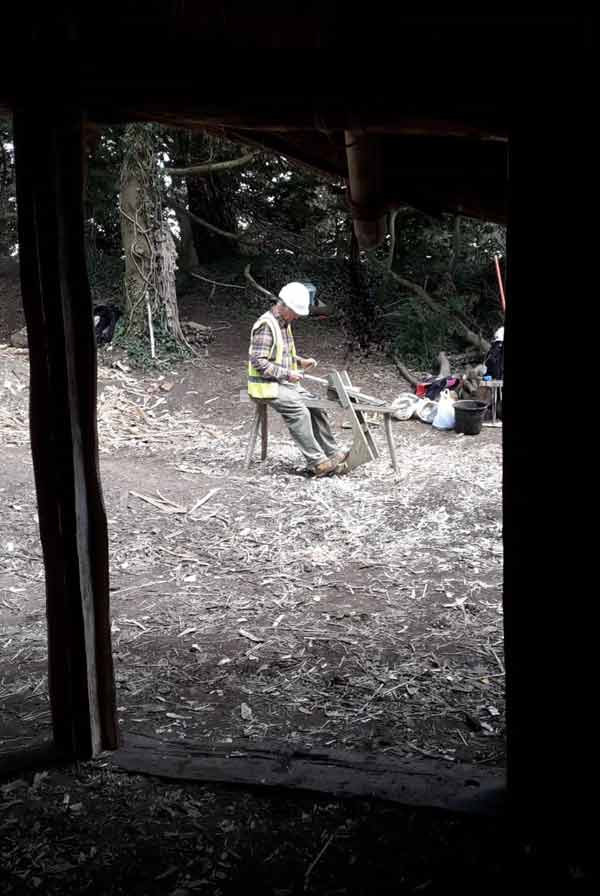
(148, 246)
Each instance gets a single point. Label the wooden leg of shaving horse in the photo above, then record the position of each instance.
(363, 448)
(253, 436)
(387, 422)
(345, 378)
(262, 409)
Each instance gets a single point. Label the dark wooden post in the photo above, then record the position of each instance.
(58, 310)
(545, 596)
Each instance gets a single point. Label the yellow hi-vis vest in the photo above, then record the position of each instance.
(258, 386)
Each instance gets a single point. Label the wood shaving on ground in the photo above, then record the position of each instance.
(361, 611)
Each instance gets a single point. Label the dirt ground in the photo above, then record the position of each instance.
(357, 612)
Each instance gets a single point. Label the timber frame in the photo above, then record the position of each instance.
(64, 443)
(446, 155)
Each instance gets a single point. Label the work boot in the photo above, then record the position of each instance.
(340, 456)
(325, 467)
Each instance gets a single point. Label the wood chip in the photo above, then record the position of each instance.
(246, 634)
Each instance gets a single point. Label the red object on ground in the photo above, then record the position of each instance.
(421, 389)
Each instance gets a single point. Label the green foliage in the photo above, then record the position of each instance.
(452, 259)
(299, 211)
(417, 334)
(101, 208)
(105, 273)
(167, 348)
(8, 205)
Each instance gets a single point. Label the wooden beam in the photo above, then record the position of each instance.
(434, 175)
(64, 444)
(256, 425)
(387, 422)
(341, 774)
(549, 544)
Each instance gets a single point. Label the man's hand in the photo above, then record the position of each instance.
(294, 377)
(307, 363)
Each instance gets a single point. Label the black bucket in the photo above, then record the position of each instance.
(468, 416)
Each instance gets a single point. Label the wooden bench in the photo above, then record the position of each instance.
(363, 448)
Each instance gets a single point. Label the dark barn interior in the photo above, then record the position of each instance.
(486, 117)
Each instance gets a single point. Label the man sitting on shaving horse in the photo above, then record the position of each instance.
(273, 375)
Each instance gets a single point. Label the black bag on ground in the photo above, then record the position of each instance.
(105, 321)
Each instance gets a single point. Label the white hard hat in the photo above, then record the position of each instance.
(499, 335)
(297, 298)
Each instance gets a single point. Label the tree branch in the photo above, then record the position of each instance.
(404, 372)
(243, 239)
(214, 282)
(468, 334)
(314, 310)
(210, 167)
(203, 223)
(256, 285)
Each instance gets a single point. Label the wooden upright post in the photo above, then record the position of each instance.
(258, 423)
(264, 430)
(58, 311)
(363, 447)
(547, 604)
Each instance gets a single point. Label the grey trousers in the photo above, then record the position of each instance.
(308, 427)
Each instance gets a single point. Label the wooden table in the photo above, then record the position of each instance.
(495, 386)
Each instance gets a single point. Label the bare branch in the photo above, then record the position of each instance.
(243, 239)
(214, 282)
(444, 370)
(256, 285)
(210, 167)
(405, 372)
(203, 223)
(434, 306)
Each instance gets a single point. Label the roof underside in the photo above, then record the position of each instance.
(429, 130)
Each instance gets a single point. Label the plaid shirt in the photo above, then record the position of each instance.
(260, 348)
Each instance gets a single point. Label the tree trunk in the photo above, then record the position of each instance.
(165, 281)
(149, 249)
(187, 257)
(8, 212)
(137, 247)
